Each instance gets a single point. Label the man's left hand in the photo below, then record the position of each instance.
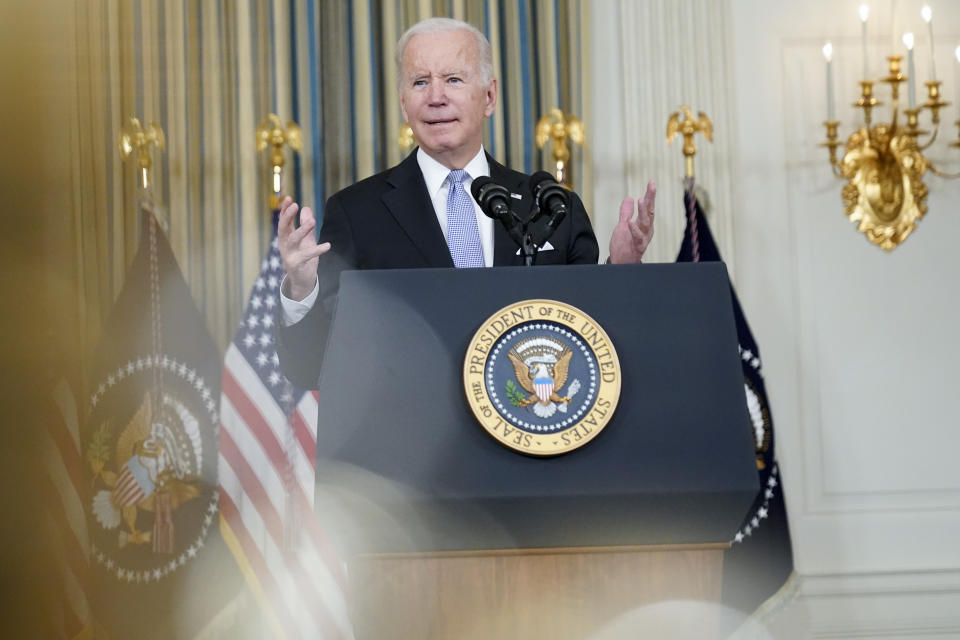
(632, 235)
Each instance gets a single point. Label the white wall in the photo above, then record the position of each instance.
(861, 348)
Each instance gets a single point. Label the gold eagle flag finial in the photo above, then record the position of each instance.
(405, 138)
(689, 127)
(559, 127)
(136, 138)
(271, 133)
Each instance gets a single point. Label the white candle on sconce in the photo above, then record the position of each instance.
(864, 12)
(927, 14)
(828, 55)
(956, 80)
(911, 87)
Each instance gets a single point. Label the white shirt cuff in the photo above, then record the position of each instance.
(294, 311)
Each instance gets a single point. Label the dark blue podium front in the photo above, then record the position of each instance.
(402, 464)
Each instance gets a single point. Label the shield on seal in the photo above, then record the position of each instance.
(133, 484)
(543, 388)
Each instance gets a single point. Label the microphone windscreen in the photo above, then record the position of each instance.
(476, 188)
(539, 180)
(547, 192)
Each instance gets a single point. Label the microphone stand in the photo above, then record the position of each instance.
(530, 245)
(528, 242)
(517, 230)
(528, 250)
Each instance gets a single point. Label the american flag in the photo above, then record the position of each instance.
(65, 486)
(268, 441)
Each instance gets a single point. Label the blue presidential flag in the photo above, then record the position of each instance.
(158, 567)
(761, 557)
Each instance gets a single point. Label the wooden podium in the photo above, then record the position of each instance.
(534, 593)
(479, 541)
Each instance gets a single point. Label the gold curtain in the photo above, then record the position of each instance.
(208, 72)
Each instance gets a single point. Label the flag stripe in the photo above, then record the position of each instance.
(74, 554)
(300, 586)
(284, 569)
(252, 556)
(248, 480)
(258, 426)
(74, 583)
(62, 484)
(272, 566)
(76, 594)
(253, 506)
(320, 544)
(64, 617)
(331, 591)
(72, 622)
(65, 495)
(307, 441)
(255, 403)
(253, 455)
(249, 573)
(63, 436)
(257, 410)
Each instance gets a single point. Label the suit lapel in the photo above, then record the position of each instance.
(410, 205)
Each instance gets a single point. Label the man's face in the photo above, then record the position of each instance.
(443, 96)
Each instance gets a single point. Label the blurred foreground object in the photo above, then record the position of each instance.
(135, 138)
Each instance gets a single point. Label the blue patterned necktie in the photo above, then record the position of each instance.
(463, 236)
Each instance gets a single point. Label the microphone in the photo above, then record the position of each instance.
(494, 199)
(551, 197)
(549, 194)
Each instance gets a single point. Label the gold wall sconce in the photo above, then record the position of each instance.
(884, 163)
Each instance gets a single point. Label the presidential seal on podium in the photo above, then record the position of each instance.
(542, 377)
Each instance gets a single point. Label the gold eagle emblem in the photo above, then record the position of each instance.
(148, 476)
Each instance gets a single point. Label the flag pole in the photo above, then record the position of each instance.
(136, 139)
(689, 127)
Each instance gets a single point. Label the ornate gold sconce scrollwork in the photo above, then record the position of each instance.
(884, 164)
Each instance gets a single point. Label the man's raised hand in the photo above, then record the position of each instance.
(299, 249)
(632, 236)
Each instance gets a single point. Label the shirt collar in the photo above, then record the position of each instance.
(435, 173)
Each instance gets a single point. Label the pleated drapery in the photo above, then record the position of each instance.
(208, 72)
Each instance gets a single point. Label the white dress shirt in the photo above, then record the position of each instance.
(435, 177)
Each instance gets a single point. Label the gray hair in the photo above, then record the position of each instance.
(439, 25)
